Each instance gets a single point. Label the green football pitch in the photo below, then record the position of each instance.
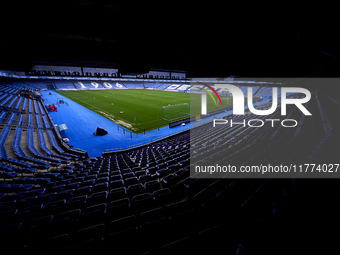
(139, 110)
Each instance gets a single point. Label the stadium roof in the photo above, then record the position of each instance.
(244, 39)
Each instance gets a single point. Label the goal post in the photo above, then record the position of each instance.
(175, 112)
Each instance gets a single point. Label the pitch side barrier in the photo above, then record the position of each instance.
(179, 122)
(193, 118)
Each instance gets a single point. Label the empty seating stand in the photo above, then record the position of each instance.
(3, 116)
(30, 107)
(31, 147)
(16, 144)
(3, 152)
(42, 142)
(3, 138)
(53, 142)
(141, 201)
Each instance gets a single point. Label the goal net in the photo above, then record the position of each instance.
(175, 112)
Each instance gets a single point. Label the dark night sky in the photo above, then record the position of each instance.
(243, 39)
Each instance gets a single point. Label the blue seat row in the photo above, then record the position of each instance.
(3, 138)
(19, 151)
(3, 103)
(30, 146)
(53, 142)
(64, 85)
(18, 103)
(30, 142)
(14, 99)
(24, 104)
(42, 143)
(3, 153)
(7, 167)
(30, 120)
(47, 124)
(57, 148)
(2, 116)
(11, 118)
(14, 90)
(3, 96)
(9, 188)
(8, 175)
(20, 163)
(21, 120)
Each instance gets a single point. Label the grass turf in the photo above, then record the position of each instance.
(142, 109)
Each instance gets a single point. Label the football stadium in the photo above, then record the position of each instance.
(113, 144)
